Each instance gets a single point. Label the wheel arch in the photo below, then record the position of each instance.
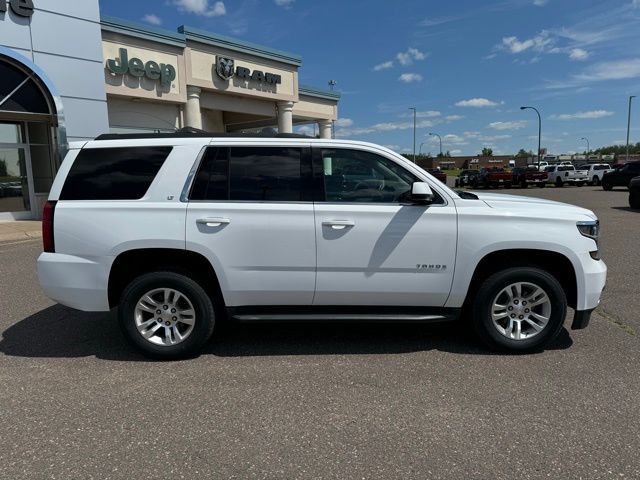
(133, 263)
(555, 263)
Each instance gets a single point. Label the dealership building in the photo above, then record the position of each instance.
(69, 74)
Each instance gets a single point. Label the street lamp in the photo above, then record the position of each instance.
(588, 149)
(539, 129)
(439, 138)
(420, 149)
(629, 124)
(414, 133)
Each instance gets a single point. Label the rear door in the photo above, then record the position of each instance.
(373, 247)
(251, 214)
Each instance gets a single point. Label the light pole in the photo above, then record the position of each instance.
(414, 133)
(439, 138)
(333, 83)
(629, 124)
(539, 130)
(420, 149)
(588, 149)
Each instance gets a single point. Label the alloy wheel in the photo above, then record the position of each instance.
(521, 310)
(164, 316)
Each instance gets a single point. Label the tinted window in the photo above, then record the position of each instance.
(212, 180)
(113, 173)
(549, 169)
(565, 168)
(250, 173)
(265, 174)
(356, 176)
(634, 167)
(601, 167)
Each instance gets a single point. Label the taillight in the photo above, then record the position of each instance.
(47, 227)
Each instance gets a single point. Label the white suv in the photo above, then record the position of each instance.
(181, 230)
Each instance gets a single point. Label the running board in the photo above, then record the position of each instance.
(324, 317)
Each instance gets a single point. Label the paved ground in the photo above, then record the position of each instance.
(294, 401)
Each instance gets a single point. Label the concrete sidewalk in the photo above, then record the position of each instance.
(20, 230)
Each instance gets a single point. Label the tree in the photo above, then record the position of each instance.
(487, 152)
(522, 153)
(3, 168)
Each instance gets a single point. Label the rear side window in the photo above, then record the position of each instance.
(113, 173)
(271, 174)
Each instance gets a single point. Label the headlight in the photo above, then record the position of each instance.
(591, 230)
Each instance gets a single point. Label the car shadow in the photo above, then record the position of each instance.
(627, 209)
(61, 332)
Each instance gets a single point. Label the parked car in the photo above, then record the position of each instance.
(492, 177)
(525, 176)
(622, 176)
(439, 174)
(560, 175)
(180, 230)
(464, 178)
(542, 166)
(566, 162)
(595, 171)
(634, 193)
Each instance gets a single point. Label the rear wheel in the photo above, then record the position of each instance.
(559, 182)
(523, 184)
(166, 315)
(542, 185)
(579, 184)
(595, 181)
(520, 309)
(606, 186)
(634, 200)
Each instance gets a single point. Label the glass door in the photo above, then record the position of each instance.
(16, 185)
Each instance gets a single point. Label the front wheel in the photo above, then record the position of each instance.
(634, 200)
(559, 182)
(579, 184)
(542, 185)
(166, 315)
(607, 186)
(596, 181)
(523, 184)
(520, 309)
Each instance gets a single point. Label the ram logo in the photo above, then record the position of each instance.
(224, 67)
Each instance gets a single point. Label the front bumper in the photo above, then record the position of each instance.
(76, 282)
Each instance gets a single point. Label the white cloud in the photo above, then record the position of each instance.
(152, 18)
(344, 122)
(540, 3)
(306, 130)
(383, 127)
(578, 54)
(615, 70)
(383, 66)
(515, 125)
(476, 102)
(453, 118)
(284, 3)
(408, 57)
(583, 115)
(457, 151)
(201, 7)
(539, 43)
(423, 114)
(635, 4)
(410, 77)
(392, 147)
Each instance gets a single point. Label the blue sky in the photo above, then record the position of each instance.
(466, 65)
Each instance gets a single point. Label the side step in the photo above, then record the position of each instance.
(347, 314)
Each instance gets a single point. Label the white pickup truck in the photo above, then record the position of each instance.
(561, 174)
(596, 171)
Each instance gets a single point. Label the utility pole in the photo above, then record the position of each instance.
(333, 83)
(629, 124)
(588, 149)
(414, 133)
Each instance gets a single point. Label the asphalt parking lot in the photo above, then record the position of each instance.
(323, 401)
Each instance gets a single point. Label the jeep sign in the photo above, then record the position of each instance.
(135, 67)
(24, 8)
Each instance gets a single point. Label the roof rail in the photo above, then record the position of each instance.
(189, 132)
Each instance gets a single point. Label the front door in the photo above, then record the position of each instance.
(251, 214)
(374, 248)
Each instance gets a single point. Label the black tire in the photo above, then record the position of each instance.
(559, 182)
(634, 200)
(202, 306)
(523, 184)
(596, 181)
(579, 184)
(492, 286)
(607, 186)
(542, 185)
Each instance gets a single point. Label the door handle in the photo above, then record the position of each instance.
(213, 221)
(339, 224)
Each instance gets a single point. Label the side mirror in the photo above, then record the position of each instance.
(421, 193)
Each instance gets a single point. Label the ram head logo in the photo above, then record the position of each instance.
(224, 67)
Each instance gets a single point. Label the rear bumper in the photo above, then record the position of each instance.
(76, 282)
